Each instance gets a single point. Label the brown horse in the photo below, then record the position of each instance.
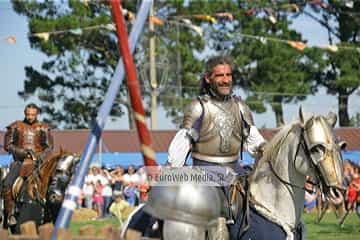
(38, 198)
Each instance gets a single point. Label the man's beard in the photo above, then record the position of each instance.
(214, 89)
(30, 121)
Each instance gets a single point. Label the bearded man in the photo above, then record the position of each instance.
(217, 125)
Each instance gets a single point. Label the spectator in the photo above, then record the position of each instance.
(130, 191)
(118, 206)
(352, 192)
(107, 194)
(117, 179)
(310, 196)
(131, 176)
(80, 199)
(104, 177)
(98, 200)
(143, 191)
(88, 194)
(143, 185)
(90, 177)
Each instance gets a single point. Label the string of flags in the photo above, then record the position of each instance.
(186, 21)
(295, 44)
(9, 39)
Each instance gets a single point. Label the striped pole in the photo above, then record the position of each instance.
(69, 203)
(133, 85)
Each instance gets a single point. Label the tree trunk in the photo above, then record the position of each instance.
(278, 110)
(344, 120)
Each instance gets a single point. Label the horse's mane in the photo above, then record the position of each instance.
(273, 147)
(40, 177)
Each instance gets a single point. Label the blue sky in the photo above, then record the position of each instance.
(14, 57)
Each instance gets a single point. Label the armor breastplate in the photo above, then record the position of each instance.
(220, 133)
(29, 136)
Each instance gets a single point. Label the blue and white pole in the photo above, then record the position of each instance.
(73, 190)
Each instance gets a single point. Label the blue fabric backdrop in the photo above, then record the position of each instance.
(111, 160)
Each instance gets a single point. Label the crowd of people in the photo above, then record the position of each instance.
(110, 192)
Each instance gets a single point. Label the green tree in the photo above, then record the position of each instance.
(85, 59)
(273, 72)
(340, 72)
(178, 68)
(274, 67)
(71, 84)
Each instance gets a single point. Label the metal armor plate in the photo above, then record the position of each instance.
(187, 203)
(220, 133)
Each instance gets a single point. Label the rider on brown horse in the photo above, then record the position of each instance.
(29, 141)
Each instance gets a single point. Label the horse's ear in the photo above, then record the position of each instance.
(331, 118)
(301, 115)
(61, 150)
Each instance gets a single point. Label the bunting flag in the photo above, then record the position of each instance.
(110, 27)
(298, 45)
(271, 14)
(320, 3)
(331, 48)
(156, 20)
(44, 36)
(292, 7)
(189, 24)
(128, 15)
(225, 15)
(186, 22)
(263, 40)
(207, 18)
(349, 4)
(10, 39)
(249, 12)
(77, 31)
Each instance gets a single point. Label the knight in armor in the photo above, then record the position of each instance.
(29, 141)
(217, 125)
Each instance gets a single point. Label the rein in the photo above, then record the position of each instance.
(301, 143)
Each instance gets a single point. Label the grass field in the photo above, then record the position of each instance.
(328, 229)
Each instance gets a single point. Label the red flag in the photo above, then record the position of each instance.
(298, 45)
(10, 39)
(250, 12)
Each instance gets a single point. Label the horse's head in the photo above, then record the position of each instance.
(61, 176)
(324, 150)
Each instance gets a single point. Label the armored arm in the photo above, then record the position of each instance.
(47, 141)
(193, 117)
(179, 148)
(254, 141)
(10, 143)
(181, 144)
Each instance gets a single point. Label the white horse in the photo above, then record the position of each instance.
(304, 148)
(307, 147)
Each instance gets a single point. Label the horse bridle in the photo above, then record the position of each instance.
(302, 143)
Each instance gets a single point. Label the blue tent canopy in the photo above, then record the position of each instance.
(124, 159)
